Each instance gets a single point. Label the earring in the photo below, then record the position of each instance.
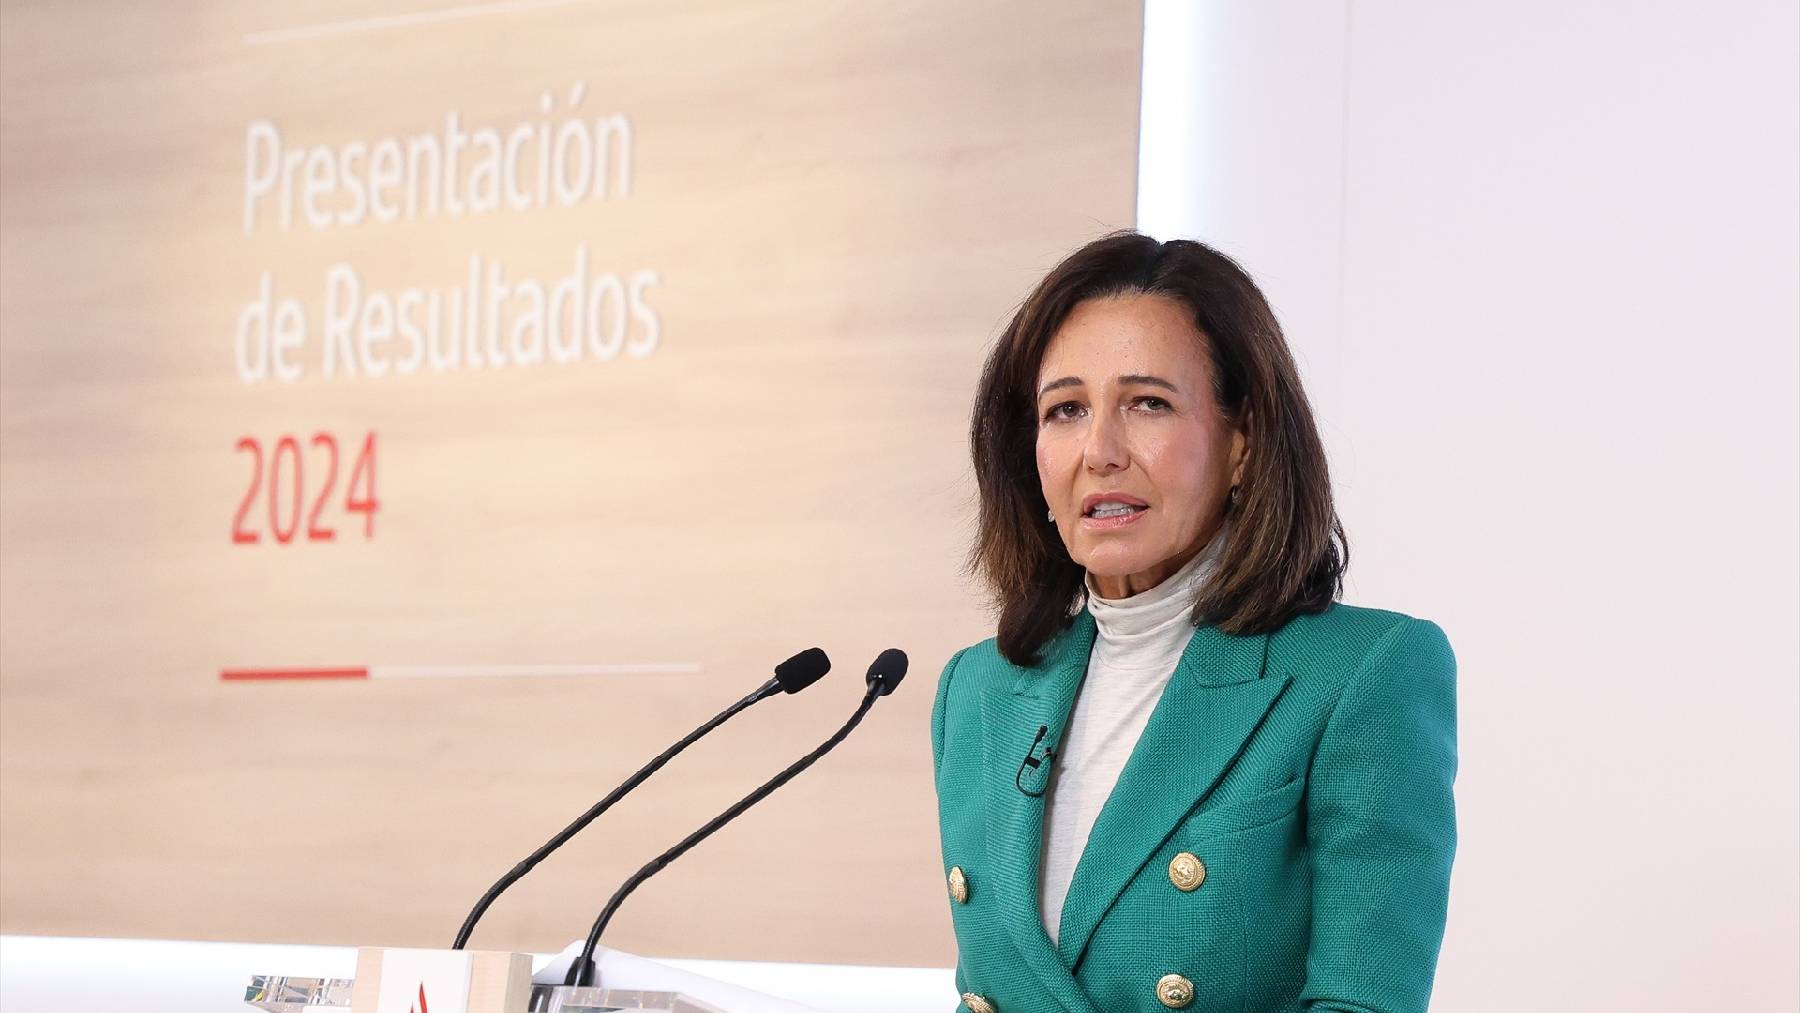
(1234, 497)
(1051, 514)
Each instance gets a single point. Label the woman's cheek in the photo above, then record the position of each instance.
(1049, 459)
(1180, 458)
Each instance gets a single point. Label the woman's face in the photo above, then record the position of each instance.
(1134, 458)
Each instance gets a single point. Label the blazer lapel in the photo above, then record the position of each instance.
(1216, 698)
(1021, 720)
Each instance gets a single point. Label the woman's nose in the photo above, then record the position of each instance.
(1105, 449)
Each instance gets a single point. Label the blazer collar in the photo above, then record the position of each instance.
(1216, 698)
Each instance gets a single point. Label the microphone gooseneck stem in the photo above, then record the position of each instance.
(582, 971)
(767, 690)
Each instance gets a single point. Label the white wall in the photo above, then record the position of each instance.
(1538, 261)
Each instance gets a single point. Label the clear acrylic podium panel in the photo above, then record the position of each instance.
(279, 994)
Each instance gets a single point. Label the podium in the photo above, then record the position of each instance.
(451, 981)
(186, 976)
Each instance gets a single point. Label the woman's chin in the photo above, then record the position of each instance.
(1110, 562)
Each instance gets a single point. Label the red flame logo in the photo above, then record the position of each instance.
(420, 1008)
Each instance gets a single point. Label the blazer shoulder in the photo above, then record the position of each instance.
(974, 668)
(982, 658)
(1353, 623)
(1344, 639)
(966, 676)
(981, 665)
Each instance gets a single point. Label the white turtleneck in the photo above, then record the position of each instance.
(1138, 641)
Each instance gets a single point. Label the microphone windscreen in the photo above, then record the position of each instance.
(887, 670)
(802, 670)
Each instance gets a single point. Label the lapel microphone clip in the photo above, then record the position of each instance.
(1037, 766)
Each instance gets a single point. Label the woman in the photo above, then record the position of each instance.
(1181, 775)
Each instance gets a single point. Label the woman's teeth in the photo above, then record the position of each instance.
(1106, 510)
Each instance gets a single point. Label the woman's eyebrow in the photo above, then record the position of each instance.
(1148, 381)
(1127, 380)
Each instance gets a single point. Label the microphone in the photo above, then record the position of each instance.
(791, 676)
(884, 676)
(886, 671)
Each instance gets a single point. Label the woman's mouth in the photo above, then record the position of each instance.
(1108, 513)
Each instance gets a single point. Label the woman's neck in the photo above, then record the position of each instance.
(1134, 584)
(1155, 607)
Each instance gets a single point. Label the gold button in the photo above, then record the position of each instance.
(1187, 872)
(959, 886)
(1174, 991)
(977, 1004)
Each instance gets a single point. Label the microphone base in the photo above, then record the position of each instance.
(594, 999)
(453, 981)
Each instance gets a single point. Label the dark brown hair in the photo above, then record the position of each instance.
(1287, 552)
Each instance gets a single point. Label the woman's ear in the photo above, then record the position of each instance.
(1240, 450)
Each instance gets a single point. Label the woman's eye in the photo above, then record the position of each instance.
(1062, 412)
(1155, 404)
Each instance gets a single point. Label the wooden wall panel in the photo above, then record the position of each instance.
(841, 202)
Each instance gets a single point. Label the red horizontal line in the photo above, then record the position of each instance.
(276, 674)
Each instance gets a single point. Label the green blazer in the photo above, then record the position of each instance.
(1303, 778)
